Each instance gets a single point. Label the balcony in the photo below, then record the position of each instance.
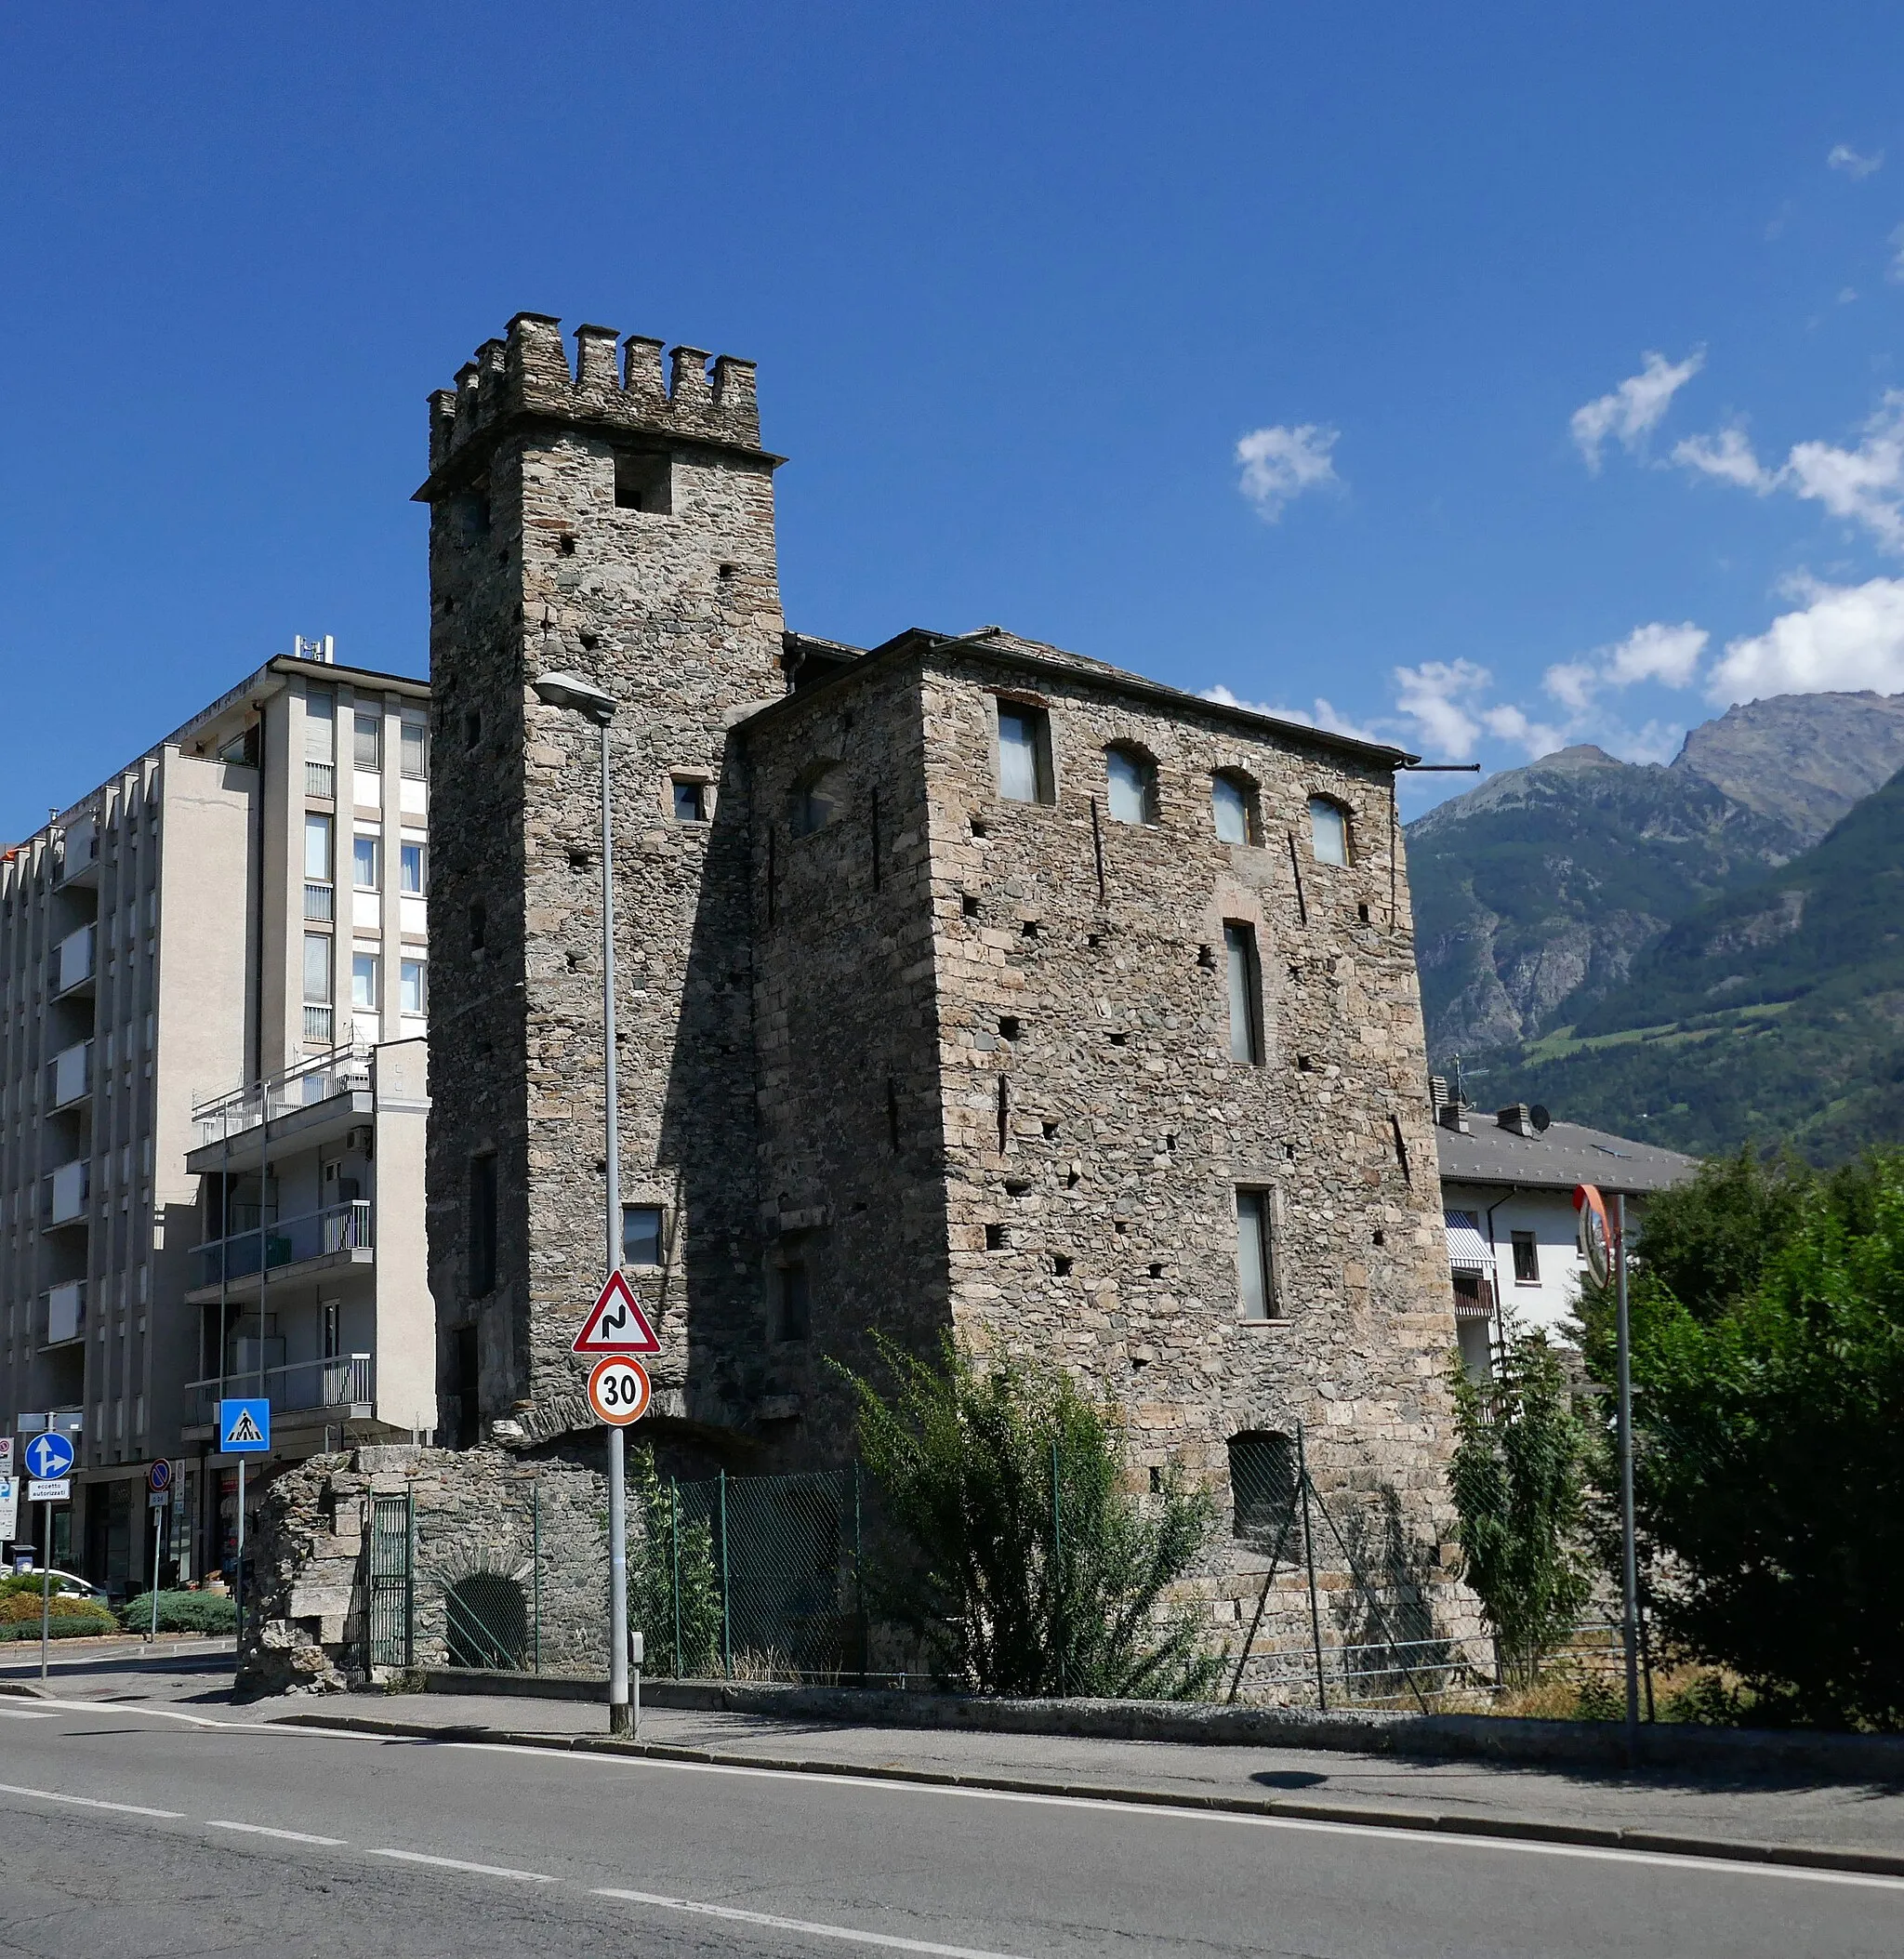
(65, 1314)
(346, 1383)
(65, 1195)
(319, 904)
(321, 781)
(79, 853)
(75, 961)
(337, 1072)
(70, 1075)
(320, 1025)
(282, 1248)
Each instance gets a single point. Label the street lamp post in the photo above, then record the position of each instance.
(569, 690)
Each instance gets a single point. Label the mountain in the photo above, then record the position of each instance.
(1773, 1014)
(1536, 892)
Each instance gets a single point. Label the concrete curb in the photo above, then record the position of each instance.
(1880, 1863)
(1488, 1738)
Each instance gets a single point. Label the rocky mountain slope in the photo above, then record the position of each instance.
(1773, 1014)
(1536, 893)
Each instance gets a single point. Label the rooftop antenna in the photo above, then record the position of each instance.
(324, 650)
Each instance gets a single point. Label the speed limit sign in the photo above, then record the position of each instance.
(618, 1390)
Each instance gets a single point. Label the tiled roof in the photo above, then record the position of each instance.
(1563, 1155)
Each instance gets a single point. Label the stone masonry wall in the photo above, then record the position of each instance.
(673, 608)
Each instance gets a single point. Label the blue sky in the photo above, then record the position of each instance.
(1493, 375)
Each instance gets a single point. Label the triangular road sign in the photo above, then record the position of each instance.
(616, 1325)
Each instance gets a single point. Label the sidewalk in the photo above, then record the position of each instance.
(1751, 1815)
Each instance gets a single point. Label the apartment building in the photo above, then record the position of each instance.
(213, 985)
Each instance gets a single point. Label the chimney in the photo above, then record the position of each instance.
(1516, 1117)
(1451, 1115)
(1437, 1094)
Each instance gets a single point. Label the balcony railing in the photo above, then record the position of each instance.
(75, 961)
(79, 850)
(338, 1071)
(67, 1192)
(283, 1241)
(66, 1312)
(344, 1380)
(71, 1075)
(318, 907)
(321, 781)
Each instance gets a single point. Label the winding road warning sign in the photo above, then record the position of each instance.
(616, 1325)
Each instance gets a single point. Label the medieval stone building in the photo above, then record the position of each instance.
(964, 984)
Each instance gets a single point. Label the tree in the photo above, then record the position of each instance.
(672, 1553)
(1519, 1488)
(1028, 1568)
(1768, 1419)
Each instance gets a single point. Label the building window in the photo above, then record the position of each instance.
(1025, 754)
(792, 1298)
(366, 865)
(320, 725)
(1329, 830)
(1262, 1480)
(415, 756)
(363, 967)
(1255, 1256)
(644, 482)
(1132, 785)
(317, 848)
(1233, 802)
(413, 986)
(1246, 994)
(641, 1235)
(1527, 1259)
(481, 1224)
(410, 870)
(369, 741)
(816, 802)
(690, 801)
(317, 968)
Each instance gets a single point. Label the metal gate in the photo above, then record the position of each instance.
(392, 1587)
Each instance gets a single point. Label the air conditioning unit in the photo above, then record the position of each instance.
(359, 1139)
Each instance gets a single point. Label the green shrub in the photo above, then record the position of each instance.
(966, 1458)
(68, 1617)
(658, 1538)
(1707, 1701)
(181, 1612)
(1518, 1481)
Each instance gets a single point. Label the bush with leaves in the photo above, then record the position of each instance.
(68, 1617)
(1767, 1314)
(1009, 1593)
(1518, 1481)
(181, 1612)
(666, 1545)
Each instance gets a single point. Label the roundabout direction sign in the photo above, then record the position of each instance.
(618, 1390)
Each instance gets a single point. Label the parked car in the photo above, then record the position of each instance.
(66, 1583)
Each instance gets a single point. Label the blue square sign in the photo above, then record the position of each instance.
(245, 1426)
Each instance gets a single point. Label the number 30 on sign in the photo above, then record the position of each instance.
(618, 1390)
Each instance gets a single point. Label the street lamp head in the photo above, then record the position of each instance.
(570, 690)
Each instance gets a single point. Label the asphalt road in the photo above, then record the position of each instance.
(129, 1828)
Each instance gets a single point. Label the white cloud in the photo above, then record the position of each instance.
(1537, 738)
(1864, 485)
(1635, 408)
(1280, 463)
(1433, 696)
(1667, 654)
(1323, 715)
(1728, 455)
(1846, 638)
(1844, 157)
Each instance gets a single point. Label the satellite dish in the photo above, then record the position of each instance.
(1538, 1116)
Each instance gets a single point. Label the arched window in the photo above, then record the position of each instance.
(1329, 830)
(1262, 1480)
(1233, 802)
(1133, 785)
(816, 800)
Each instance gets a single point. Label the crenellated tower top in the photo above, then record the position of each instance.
(527, 375)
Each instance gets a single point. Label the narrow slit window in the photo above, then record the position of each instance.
(1255, 1256)
(794, 1299)
(1246, 994)
(482, 1221)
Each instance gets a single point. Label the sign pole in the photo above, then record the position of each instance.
(238, 1576)
(620, 1720)
(45, 1582)
(158, 1526)
(1630, 1626)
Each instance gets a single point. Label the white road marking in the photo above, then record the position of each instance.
(88, 1801)
(27, 1714)
(775, 1922)
(236, 1727)
(456, 1863)
(1152, 1812)
(289, 1836)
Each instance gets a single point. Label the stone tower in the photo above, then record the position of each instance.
(598, 521)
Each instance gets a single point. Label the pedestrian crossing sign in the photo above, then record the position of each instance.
(245, 1426)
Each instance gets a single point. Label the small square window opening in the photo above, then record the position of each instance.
(690, 801)
(641, 1235)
